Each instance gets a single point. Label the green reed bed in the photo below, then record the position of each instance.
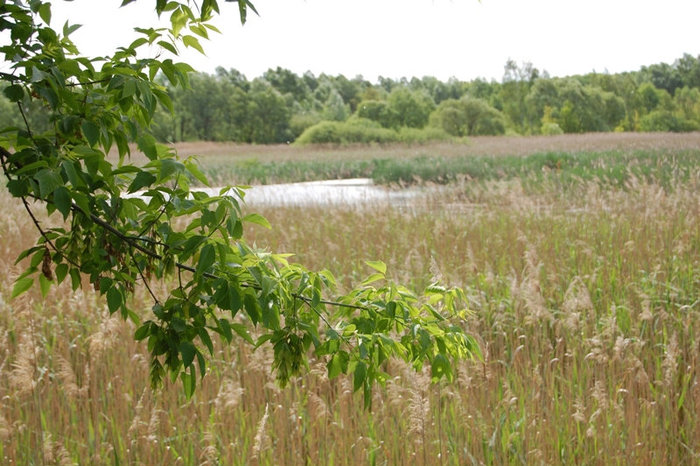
(604, 167)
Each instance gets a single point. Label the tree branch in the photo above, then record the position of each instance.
(133, 241)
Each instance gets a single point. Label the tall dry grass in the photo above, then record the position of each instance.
(585, 300)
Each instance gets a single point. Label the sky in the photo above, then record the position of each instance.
(464, 39)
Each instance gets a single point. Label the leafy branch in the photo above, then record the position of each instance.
(119, 240)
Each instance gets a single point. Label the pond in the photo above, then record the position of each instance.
(348, 192)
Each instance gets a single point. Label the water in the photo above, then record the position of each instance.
(349, 192)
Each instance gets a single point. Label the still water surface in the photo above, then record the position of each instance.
(350, 192)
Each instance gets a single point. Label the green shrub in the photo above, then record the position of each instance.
(301, 121)
(468, 117)
(325, 132)
(378, 111)
(357, 130)
(663, 120)
(364, 131)
(551, 129)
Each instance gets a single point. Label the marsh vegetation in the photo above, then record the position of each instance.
(581, 263)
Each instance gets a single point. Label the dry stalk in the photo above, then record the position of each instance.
(261, 437)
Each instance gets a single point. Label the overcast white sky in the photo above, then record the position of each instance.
(395, 38)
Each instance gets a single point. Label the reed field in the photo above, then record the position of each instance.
(581, 262)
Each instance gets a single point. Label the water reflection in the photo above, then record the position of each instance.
(350, 192)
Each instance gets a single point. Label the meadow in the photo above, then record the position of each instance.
(580, 256)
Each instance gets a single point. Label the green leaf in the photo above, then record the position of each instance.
(21, 285)
(234, 299)
(200, 31)
(168, 46)
(143, 331)
(69, 29)
(37, 258)
(75, 278)
(62, 201)
(258, 220)
(359, 376)
(49, 180)
(44, 285)
(191, 41)
(141, 180)
(206, 339)
(122, 144)
(178, 20)
(91, 132)
(69, 167)
(235, 228)
(189, 382)
(372, 278)
(61, 272)
(188, 351)
(114, 299)
(224, 329)
(26, 253)
(242, 10)
(206, 259)
(391, 309)
(147, 145)
(165, 100)
(14, 93)
(168, 167)
(81, 201)
(379, 266)
(184, 68)
(138, 43)
(170, 71)
(242, 332)
(440, 367)
(252, 308)
(338, 364)
(129, 89)
(192, 167)
(45, 12)
(37, 75)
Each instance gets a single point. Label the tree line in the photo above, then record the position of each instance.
(282, 107)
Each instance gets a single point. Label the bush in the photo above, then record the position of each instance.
(350, 132)
(363, 131)
(551, 129)
(379, 111)
(663, 120)
(325, 132)
(468, 117)
(301, 121)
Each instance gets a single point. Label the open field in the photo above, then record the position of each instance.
(584, 294)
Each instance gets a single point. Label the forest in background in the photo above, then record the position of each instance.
(283, 107)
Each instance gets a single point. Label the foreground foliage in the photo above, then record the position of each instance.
(126, 226)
